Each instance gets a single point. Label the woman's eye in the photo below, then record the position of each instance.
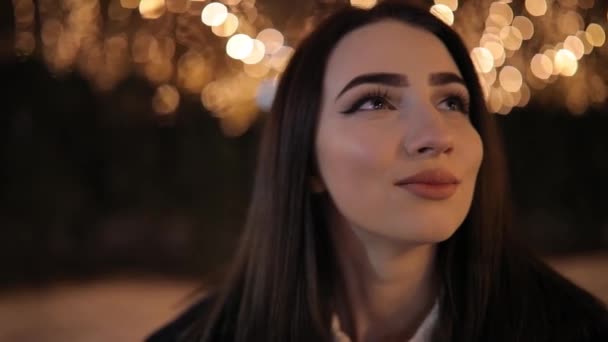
(455, 104)
(376, 103)
(370, 103)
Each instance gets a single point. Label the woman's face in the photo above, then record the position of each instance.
(394, 105)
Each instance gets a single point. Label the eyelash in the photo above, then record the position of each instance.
(375, 94)
(462, 100)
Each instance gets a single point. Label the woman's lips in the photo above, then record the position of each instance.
(438, 191)
(435, 184)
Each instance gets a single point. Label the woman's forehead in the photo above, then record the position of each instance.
(387, 46)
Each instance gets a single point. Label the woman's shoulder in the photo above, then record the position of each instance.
(176, 329)
(570, 311)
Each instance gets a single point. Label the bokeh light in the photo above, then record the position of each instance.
(570, 22)
(525, 27)
(214, 14)
(166, 99)
(536, 7)
(541, 66)
(363, 3)
(452, 4)
(130, 4)
(239, 46)
(280, 58)
(596, 35)
(511, 37)
(510, 79)
(501, 14)
(272, 39)
(575, 45)
(483, 59)
(257, 54)
(565, 62)
(444, 13)
(151, 9)
(228, 27)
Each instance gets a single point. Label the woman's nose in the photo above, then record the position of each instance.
(427, 134)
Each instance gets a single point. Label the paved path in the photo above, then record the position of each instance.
(128, 309)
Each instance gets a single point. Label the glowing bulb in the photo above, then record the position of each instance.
(511, 37)
(214, 14)
(501, 13)
(525, 26)
(272, 39)
(257, 54)
(565, 62)
(582, 35)
(228, 27)
(239, 46)
(444, 13)
(541, 66)
(596, 35)
(510, 79)
(151, 9)
(365, 4)
(452, 4)
(483, 59)
(166, 99)
(574, 44)
(536, 7)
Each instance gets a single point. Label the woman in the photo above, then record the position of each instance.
(379, 211)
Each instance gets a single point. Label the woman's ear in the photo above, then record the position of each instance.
(316, 185)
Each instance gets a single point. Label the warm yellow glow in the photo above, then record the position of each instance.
(565, 62)
(525, 96)
(214, 14)
(159, 71)
(228, 27)
(272, 39)
(280, 58)
(569, 22)
(452, 4)
(510, 78)
(193, 72)
(495, 100)
(596, 35)
(541, 66)
(525, 26)
(536, 7)
(130, 4)
(178, 6)
(239, 46)
(574, 44)
(166, 99)
(257, 54)
(363, 3)
(501, 14)
(151, 9)
(444, 13)
(496, 49)
(490, 77)
(511, 37)
(483, 59)
(231, 2)
(582, 35)
(259, 70)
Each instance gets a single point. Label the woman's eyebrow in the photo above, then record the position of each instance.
(442, 78)
(390, 79)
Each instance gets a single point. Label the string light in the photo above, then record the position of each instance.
(536, 8)
(228, 27)
(239, 46)
(444, 13)
(151, 9)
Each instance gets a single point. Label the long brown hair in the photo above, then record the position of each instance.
(283, 277)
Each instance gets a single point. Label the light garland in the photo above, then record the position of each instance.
(510, 59)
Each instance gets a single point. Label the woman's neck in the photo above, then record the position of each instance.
(388, 287)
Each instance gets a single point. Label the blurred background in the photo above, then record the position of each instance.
(128, 133)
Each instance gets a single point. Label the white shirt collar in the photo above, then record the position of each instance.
(423, 333)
